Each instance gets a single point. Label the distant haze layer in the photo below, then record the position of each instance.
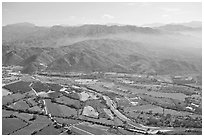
(168, 49)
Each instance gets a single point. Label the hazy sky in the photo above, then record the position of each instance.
(47, 14)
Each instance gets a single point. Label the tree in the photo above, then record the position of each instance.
(168, 116)
(150, 112)
(124, 122)
(163, 111)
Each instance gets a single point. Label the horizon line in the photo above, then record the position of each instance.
(107, 24)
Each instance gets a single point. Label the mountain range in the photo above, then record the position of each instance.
(167, 49)
(193, 24)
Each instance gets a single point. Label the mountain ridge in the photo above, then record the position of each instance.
(103, 48)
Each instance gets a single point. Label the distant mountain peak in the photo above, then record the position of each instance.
(153, 25)
(22, 24)
(192, 24)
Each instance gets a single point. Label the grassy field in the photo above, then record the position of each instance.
(11, 124)
(57, 80)
(134, 90)
(18, 87)
(54, 87)
(42, 119)
(11, 98)
(178, 89)
(30, 129)
(45, 87)
(157, 100)
(92, 130)
(98, 126)
(178, 96)
(123, 102)
(23, 116)
(54, 94)
(49, 130)
(40, 87)
(69, 101)
(53, 108)
(117, 121)
(140, 108)
(35, 108)
(20, 105)
(6, 113)
(67, 111)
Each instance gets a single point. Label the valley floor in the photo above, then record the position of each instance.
(100, 104)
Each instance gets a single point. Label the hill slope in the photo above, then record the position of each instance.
(166, 49)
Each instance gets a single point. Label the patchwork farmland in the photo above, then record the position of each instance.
(104, 106)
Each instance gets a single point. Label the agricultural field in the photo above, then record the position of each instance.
(24, 116)
(178, 96)
(31, 129)
(91, 130)
(49, 130)
(11, 125)
(102, 68)
(67, 111)
(179, 89)
(69, 102)
(111, 105)
(12, 98)
(18, 87)
(6, 113)
(19, 105)
(52, 108)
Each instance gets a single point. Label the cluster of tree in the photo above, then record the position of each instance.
(179, 89)
(22, 111)
(184, 132)
(175, 105)
(160, 120)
